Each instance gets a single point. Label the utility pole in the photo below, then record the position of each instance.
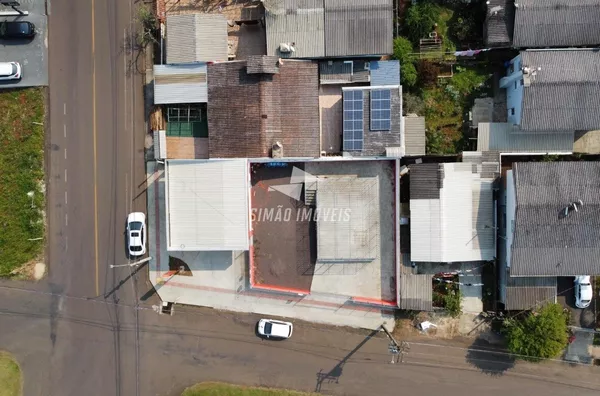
(135, 263)
(396, 348)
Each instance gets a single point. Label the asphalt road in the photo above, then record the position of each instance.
(81, 331)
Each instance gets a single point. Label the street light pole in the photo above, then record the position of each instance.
(132, 264)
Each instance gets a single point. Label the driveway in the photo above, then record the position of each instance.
(31, 54)
(583, 318)
(579, 350)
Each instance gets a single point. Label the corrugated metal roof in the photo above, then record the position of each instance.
(196, 38)
(355, 238)
(296, 21)
(358, 27)
(248, 113)
(175, 84)
(508, 138)
(557, 23)
(416, 292)
(525, 293)
(546, 242)
(499, 23)
(207, 205)
(414, 135)
(563, 94)
(457, 226)
(385, 72)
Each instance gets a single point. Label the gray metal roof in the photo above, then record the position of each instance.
(499, 23)
(301, 22)
(459, 224)
(525, 293)
(196, 38)
(385, 72)
(414, 135)
(329, 28)
(563, 94)
(507, 138)
(546, 242)
(358, 27)
(180, 84)
(416, 292)
(557, 23)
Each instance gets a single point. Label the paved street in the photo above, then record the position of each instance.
(202, 344)
(79, 331)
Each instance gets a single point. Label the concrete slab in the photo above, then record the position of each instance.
(472, 301)
(579, 350)
(31, 54)
(587, 142)
(220, 279)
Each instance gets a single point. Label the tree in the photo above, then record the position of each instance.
(420, 20)
(541, 335)
(403, 52)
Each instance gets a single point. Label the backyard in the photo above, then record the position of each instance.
(438, 84)
(22, 187)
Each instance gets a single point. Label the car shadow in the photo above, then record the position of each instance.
(15, 42)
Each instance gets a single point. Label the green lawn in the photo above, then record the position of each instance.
(446, 105)
(21, 171)
(10, 376)
(219, 389)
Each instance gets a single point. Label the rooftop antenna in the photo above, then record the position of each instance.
(573, 206)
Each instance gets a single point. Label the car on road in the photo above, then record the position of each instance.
(10, 71)
(16, 29)
(272, 328)
(136, 234)
(583, 291)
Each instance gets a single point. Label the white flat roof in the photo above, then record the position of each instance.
(207, 204)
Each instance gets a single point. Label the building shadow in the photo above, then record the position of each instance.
(489, 360)
(333, 375)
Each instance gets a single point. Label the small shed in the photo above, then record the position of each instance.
(196, 38)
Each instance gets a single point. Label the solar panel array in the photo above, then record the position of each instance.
(353, 120)
(381, 114)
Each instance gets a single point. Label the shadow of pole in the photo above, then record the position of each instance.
(335, 373)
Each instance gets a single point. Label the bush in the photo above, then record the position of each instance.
(452, 302)
(412, 104)
(428, 73)
(435, 142)
(420, 20)
(403, 52)
(541, 335)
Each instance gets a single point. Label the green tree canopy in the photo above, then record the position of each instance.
(420, 20)
(403, 51)
(541, 335)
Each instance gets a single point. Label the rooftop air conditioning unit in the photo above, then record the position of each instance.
(526, 70)
(286, 48)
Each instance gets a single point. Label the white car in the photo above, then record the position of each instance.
(136, 234)
(583, 291)
(10, 71)
(271, 328)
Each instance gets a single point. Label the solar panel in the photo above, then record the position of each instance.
(353, 120)
(381, 113)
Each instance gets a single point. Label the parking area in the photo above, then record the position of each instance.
(584, 318)
(32, 54)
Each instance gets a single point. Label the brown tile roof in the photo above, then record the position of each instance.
(248, 113)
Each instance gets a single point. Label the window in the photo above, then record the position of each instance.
(511, 68)
(515, 85)
(522, 82)
(512, 111)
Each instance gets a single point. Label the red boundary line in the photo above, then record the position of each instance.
(364, 300)
(157, 215)
(280, 289)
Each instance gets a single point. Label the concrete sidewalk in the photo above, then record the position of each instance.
(220, 279)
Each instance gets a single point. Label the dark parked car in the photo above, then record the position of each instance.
(16, 29)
